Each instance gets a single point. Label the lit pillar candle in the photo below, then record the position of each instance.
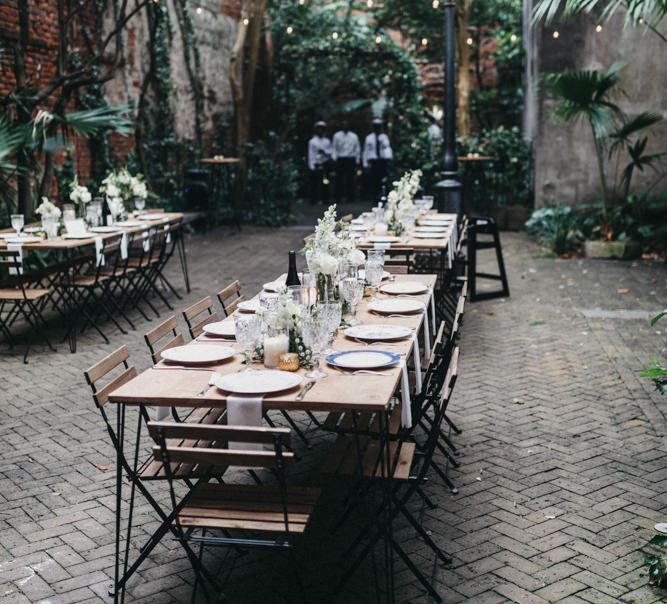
(274, 346)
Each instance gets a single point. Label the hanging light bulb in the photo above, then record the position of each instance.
(436, 3)
(335, 35)
(513, 38)
(302, 2)
(369, 3)
(469, 41)
(378, 39)
(556, 35)
(199, 10)
(290, 30)
(246, 21)
(424, 41)
(598, 28)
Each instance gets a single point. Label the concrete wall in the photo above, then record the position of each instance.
(565, 164)
(215, 29)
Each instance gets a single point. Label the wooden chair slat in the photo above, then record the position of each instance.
(172, 343)
(101, 397)
(197, 329)
(198, 307)
(219, 432)
(157, 333)
(104, 366)
(223, 457)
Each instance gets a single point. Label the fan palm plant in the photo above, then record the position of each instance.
(13, 137)
(649, 13)
(586, 95)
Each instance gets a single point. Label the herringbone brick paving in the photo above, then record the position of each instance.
(563, 461)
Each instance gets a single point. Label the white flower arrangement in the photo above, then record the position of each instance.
(287, 314)
(328, 247)
(120, 187)
(79, 194)
(48, 209)
(404, 191)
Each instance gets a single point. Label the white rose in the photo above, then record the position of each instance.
(86, 196)
(328, 264)
(356, 257)
(139, 189)
(112, 191)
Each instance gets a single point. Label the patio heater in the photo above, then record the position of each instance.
(449, 188)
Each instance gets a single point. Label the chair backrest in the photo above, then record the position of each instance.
(163, 337)
(398, 261)
(116, 363)
(200, 314)
(440, 401)
(11, 261)
(230, 297)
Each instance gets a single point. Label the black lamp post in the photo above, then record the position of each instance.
(449, 188)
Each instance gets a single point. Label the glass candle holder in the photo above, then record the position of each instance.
(289, 361)
(276, 343)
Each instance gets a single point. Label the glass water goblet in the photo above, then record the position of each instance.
(69, 212)
(17, 223)
(374, 276)
(315, 334)
(376, 256)
(139, 205)
(352, 290)
(248, 331)
(428, 201)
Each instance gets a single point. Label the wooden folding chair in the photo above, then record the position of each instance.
(163, 337)
(263, 516)
(230, 297)
(19, 301)
(198, 315)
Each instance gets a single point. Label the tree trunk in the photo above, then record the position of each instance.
(463, 83)
(236, 78)
(23, 111)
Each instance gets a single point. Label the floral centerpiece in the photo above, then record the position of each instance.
(80, 195)
(120, 187)
(400, 201)
(331, 244)
(50, 214)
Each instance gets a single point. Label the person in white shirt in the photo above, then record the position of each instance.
(347, 154)
(319, 157)
(376, 158)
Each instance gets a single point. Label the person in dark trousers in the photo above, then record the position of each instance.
(347, 155)
(376, 158)
(319, 158)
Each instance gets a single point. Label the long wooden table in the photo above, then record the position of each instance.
(408, 241)
(61, 243)
(339, 391)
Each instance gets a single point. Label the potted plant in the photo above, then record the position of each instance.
(587, 95)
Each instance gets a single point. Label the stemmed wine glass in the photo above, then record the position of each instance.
(248, 331)
(352, 290)
(332, 313)
(315, 334)
(17, 223)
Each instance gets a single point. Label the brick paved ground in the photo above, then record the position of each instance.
(563, 474)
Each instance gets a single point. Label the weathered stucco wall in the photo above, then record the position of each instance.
(215, 30)
(565, 164)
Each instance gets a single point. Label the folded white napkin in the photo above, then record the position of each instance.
(123, 246)
(416, 357)
(16, 247)
(168, 234)
(99, 256)
(381, 246)
(406, 410)
(75, 227)
(451, 248)
(433, 320)
(244, 410)
(427, 336)
(147, 242)
(161, 413)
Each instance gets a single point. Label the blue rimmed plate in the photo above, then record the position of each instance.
(362, 359)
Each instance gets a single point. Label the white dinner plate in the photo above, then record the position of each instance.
(431, 229)
(262, 381)
(357, 221)
(396, 306)
(152, 217)
(409, 288)
(249, 306)
(23, 240)
(362, 274)
(363, 359)
(222, 329)
(441, 222)
(79, 236)
(30, 230)
(128, 223)
(10, 236)
(358, 227)
(438, 235)
(273, 286)
(383, 239)
(107, 229)
(197, 354)
(378, 333)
